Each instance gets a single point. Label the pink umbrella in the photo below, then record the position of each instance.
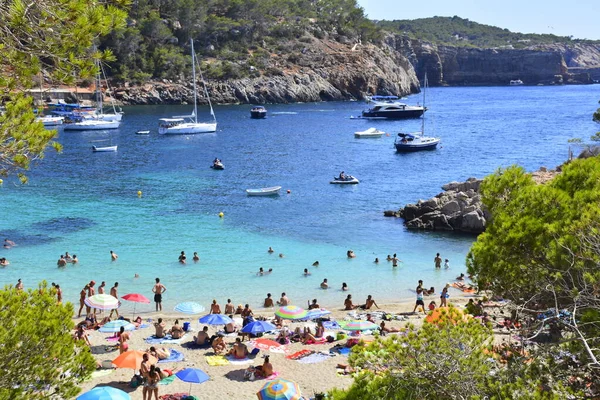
(136, 298)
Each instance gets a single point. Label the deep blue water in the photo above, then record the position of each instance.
(86, 203)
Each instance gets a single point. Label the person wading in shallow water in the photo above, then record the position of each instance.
(158, 289)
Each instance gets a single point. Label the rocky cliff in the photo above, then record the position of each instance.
(464, 66)
(321, 70)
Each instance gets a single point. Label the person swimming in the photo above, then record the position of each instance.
(306, 272)
(315, 264)
(270, 250)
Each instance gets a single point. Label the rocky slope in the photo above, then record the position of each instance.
(458, 208)
(321, 70)
(464, 66)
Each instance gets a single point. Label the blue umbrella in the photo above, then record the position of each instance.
(215, 319)
(189, 307)
(104, 393)
(192, 375)
(115, 326)
(258, 326)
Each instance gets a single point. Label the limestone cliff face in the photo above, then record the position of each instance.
(323, 70)
(464, 66)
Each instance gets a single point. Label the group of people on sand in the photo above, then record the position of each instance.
(150, 374)
(349, 305)
(67, 259)
(183, 258)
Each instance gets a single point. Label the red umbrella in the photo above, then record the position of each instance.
(267, 344)
(136, 298)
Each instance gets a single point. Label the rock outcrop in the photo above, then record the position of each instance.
(458, 208)
(466, 66)
(322, 70)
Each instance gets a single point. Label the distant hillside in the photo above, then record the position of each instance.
(460, 32)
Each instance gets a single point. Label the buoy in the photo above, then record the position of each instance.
(139, 193)
(1, 181)
(289, 191)
(221, 215)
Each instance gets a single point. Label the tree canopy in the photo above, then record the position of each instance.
(39, 358)
(456, 31)
(45, 36)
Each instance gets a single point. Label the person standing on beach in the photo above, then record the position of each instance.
(113, 256)
(101, 287)
(158, 291)
(420, 302)
(82, 295)
(283, 301)
(90, 292)
(444, 297)
(113, 293)
(438, 261)
(58, 294)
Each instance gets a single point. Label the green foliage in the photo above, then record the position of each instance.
(39, 358)
(446, 359)
(51, 35)
(226, 30)
(456, 31)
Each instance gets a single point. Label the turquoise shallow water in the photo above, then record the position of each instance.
(86, 203)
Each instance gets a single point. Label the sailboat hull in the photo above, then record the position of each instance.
(92, 125)
(189, 128)
(105, 149)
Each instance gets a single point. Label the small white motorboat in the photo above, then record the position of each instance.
(142, 133)
(50, 121)
(270, 191)
(104, 149)
(346, 180)
(218, 165)
(369, 133)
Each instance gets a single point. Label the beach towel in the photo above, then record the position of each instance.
(344, 351)
(112, 338)
(232, 334)
(313, 358)
(100, 373)
(318, 341)
(166, 340)
(333, 325)
(299, 354)
(167, 380)
(239, 361)
(175, 356)
(142, 326)
(274, 375)
(215, 361)
(175, 396)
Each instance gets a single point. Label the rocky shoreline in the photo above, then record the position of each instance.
(458, 208)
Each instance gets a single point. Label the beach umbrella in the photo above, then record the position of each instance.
(136, 298)
(115, 326)
(192, 375)
(291, 312)
(104, 393)
(279, 389)
(267, 344)
(258, 327)
(215, 319)
(317, 313)
(189, 307)
(102, 302)
(132, 359)
(358, 325)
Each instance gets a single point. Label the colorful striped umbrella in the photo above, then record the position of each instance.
(189, 307)
(115, 326)
(102, 302)
(132, 359)
(358, 325)
(104, 393)
(317, 313)
(215, 319)
(291, 312)
(258, 327)
(280, 389)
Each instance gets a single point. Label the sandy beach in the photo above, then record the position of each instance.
(227, 381)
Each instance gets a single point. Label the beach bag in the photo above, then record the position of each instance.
(249, 374)
(186, 326)
(340, 336)
(330, 339)
(136, 381)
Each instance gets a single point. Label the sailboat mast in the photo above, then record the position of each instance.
(424, 108)
(212, 112)
(98, 90)
(194, 74)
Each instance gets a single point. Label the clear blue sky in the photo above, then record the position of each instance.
(579, 18)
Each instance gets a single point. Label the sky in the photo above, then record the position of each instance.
(579, 18)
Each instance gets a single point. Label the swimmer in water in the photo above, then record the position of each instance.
(306, 273)
(316, 264)
(136, 276)
(270, 250)
(281, 255)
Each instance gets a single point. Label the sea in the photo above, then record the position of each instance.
(87, 203)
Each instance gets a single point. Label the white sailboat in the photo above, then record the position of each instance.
(100, 114)
(188, 124)
(99, 120)
(416, 141)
